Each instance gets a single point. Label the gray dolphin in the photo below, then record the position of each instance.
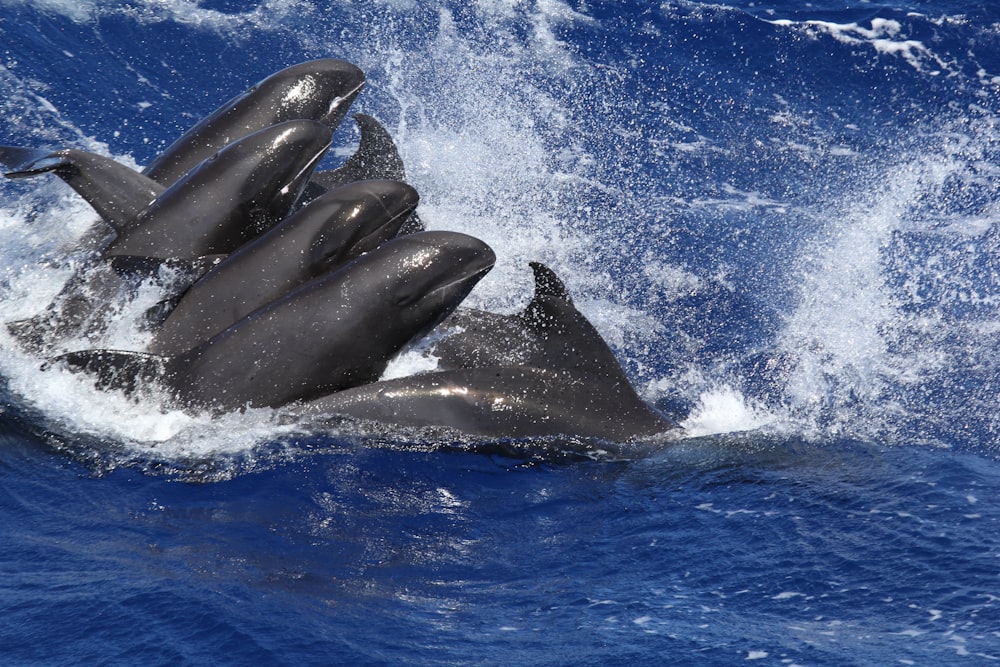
(120, 194)
(319, 90)
(326, 233)
(549, 333)
(334, 332)
(499, 402)
(544, 371)
(245, 188)
(249, 185)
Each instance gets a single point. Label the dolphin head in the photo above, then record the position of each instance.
(318, 89)
(422, 277)
(362, 216)
(273, 166)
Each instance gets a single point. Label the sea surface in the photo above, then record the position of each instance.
(784, 217)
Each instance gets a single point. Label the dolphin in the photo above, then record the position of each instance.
(119, 194)
(336, 331)
(245, 188)
(549, 333)
(326, 233)
(319, 90)
(544, 371)
(499, 402)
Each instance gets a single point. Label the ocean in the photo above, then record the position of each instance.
(783, 217)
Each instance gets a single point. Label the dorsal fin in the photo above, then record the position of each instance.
(568, 340)
(547, 283)
(548, 286)
(117, 193)
(376, 158)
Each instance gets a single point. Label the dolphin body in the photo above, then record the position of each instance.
(246, 187)
(543, 372)
(318, 90)
(499, 402)
(229, 198)
(125, 199)
(119, 194)
(331, 230)
(259, 176)
(334, 332)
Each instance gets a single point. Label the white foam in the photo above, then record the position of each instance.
(724, 410)
(871, 326)
(883, 36)
(80, 11)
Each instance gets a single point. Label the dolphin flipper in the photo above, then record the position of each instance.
(117, 193)
(19, 159)
(115, 369)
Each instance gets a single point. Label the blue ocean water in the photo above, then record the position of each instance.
(782, 216)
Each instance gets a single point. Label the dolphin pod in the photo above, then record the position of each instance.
(336, 331)
(293, 288)
(321, 236)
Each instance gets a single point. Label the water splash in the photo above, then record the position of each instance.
(876, 346)
(725, 410)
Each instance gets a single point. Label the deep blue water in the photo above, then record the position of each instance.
(784, 219)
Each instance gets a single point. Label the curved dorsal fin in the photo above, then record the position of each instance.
(547, 283)
(376, 158)
(540, 312)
